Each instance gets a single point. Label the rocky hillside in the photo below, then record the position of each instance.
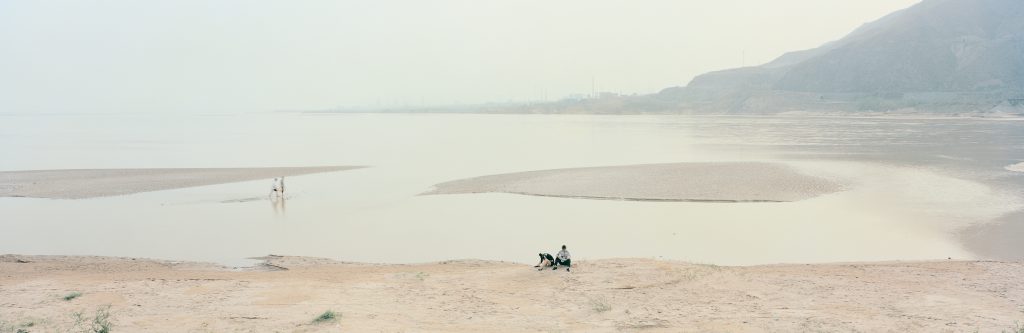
(961, 55)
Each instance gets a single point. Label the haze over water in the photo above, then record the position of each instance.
(914, 187)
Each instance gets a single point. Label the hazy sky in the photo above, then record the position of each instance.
(257, 55)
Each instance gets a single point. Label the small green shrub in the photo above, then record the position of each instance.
(100, 323)
(600, 306)
(72, 295)
(325, 317)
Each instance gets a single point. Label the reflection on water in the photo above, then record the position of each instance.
(915, 185)
(278, 203)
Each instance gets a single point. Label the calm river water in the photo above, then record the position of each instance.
(918, 188)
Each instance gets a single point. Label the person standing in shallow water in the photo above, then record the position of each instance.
(277, 188)
(563, 258)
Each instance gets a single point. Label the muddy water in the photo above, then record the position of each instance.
(915, 188)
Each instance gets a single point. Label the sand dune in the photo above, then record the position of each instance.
(90, 183)
(482, 296)
(699, 182)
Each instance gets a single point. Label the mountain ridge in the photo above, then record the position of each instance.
(937, 56)
(937, 45)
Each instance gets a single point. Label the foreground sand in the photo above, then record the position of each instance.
(90, 183)
(696, 182)
(482, 296)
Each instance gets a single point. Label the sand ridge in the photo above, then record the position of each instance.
(688, 182)
(91, 183)
(475, 295)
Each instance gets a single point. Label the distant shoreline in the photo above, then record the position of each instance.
(789, 114)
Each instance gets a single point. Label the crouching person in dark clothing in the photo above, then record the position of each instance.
(563, 258)
(546, 260)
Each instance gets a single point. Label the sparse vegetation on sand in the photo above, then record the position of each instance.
(72, 295)
(99, 323)
(622, 294)
(326, 317)
(600, 306)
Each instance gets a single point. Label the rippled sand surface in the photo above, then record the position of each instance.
(91, 183)
(697, 182)
(610, 295)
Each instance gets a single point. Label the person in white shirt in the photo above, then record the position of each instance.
(563, 258)
(274, 189)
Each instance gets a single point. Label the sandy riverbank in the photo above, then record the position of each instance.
(474, 296)
(695, 182)
(90, 183)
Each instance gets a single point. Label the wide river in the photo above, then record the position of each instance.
(917, 188)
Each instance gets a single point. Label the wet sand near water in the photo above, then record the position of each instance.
(91, 183)
(690, 182)
(1000, 240)
(288, 293)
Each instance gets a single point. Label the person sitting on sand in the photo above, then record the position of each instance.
(563, 258)
(546, 260)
